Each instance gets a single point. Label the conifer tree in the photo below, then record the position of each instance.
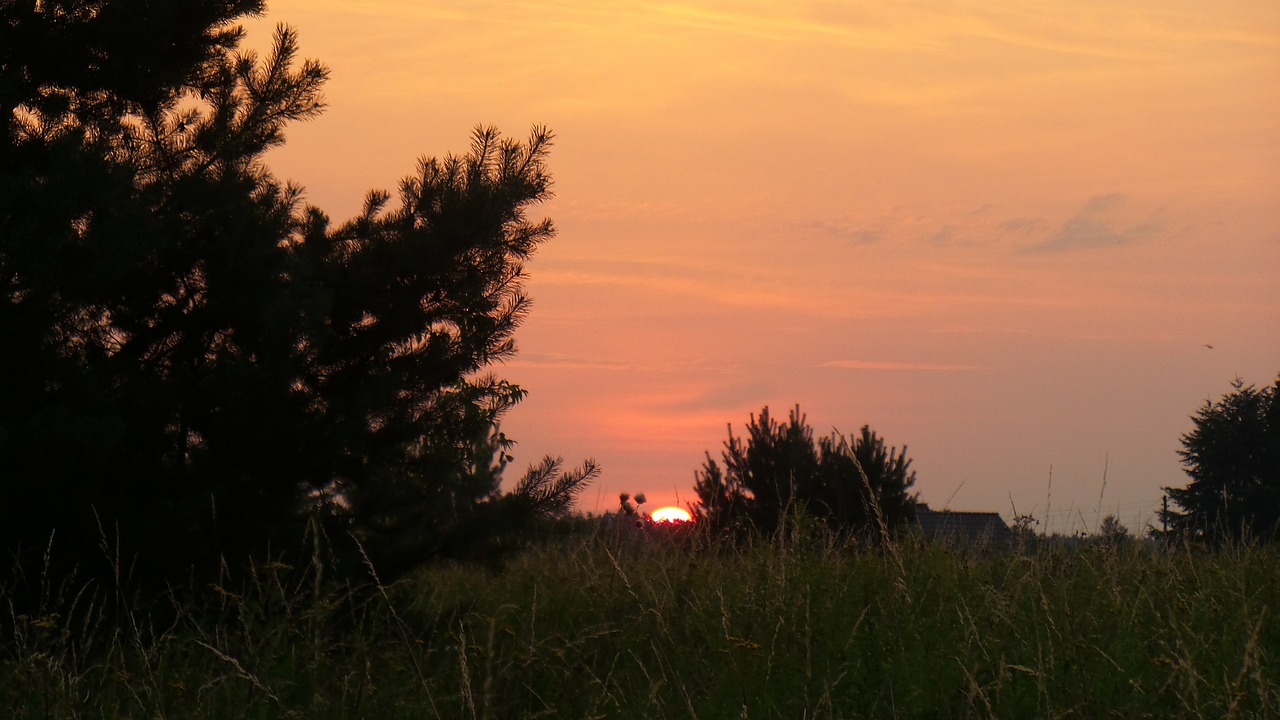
(196, 362)
(1232, 455)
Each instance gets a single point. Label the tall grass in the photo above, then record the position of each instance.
(616, 626)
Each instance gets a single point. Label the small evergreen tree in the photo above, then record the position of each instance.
(1232, 455)
(854, 484)
(1112, 531)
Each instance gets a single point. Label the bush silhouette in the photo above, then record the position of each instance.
(854, 484)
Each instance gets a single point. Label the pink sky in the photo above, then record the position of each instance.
(999, 232)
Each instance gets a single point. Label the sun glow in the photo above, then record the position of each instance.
(671, 514)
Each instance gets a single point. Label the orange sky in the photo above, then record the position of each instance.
(998, 234)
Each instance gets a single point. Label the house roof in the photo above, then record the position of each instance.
(969, 528)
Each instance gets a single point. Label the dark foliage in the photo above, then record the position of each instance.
(1232, 456)
(854, 484)
(194, 362)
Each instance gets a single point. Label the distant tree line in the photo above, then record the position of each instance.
(197, 364)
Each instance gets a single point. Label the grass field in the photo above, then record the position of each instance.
(619, 625)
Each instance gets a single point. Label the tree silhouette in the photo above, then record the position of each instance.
(1232, 456)
(854, 484)
(196, 362)
(1112, 531)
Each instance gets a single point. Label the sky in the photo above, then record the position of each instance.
(1027, 240)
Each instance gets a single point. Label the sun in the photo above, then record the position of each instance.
(671, 514)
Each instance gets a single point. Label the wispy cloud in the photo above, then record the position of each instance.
(1022, 225)
(895, 223)
(1101, 222)
(850, 232)
(895, 365)
(970, 329)
(565, 362)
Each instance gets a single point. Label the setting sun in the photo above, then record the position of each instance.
(671, 514)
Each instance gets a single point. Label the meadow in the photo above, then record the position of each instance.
(621, 624)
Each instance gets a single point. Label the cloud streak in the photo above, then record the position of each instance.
(895, 365)
(1100, 223)
(565, 362)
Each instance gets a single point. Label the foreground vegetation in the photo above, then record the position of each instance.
(620, 624)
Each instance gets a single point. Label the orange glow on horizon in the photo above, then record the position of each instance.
(671, 514)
